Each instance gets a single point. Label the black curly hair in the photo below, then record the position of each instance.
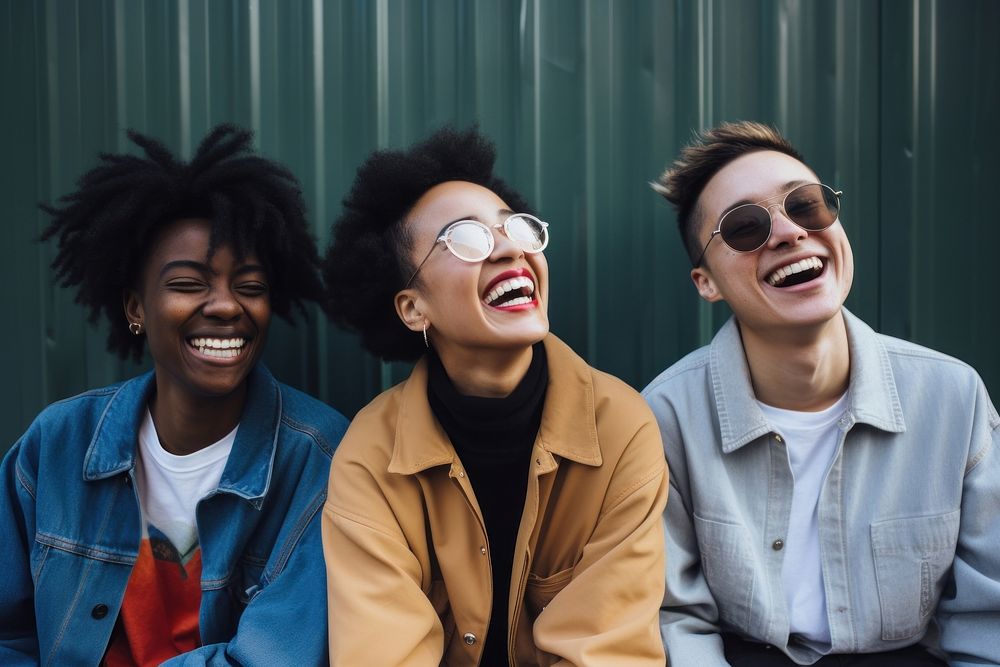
(106, 227)
(368, 260)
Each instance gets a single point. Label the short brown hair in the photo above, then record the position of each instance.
(683, 181)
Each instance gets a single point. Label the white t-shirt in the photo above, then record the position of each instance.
(170, 486)
(811, 439)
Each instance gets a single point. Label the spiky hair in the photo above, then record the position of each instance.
(368, 261)
(106, 227)
(684, 180)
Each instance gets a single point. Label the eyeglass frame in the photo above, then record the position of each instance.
(781, 204)
(442, 238)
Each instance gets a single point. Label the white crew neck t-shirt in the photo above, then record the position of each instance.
(811, 440)
(170, 486)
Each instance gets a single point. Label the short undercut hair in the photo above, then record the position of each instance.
(106, 227)
(368, 260)
(684, 180)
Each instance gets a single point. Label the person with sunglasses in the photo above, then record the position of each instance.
(834, 491)
(502, 505)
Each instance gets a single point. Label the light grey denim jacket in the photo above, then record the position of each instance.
(909, 513)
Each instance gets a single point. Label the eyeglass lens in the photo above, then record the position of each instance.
(814, 207)
(472, 241)
(469, 240)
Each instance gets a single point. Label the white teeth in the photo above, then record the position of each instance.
(508, 286)
(780, 274)
(220, 348)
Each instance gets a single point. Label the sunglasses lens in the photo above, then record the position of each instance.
(527, 232)
(813, 207)
(469, 240)
(746, 227)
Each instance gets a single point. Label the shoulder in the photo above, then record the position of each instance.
(81, 413)
(614, 398)
(677, 377)
(369, 439)
(912, 361)
(311, 418)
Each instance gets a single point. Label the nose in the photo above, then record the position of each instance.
(503, 247)
(783, 230)
(223, 305)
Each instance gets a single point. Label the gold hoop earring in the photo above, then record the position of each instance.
(426, 344)
(135, 328)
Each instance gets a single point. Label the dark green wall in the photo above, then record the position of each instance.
(894, 102)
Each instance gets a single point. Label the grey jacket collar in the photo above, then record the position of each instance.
(872, 397)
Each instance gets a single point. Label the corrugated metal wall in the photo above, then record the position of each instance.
(895, 102)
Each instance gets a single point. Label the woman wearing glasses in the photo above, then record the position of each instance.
(500, 506)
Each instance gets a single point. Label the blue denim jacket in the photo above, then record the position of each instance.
(70, 527)
(909, 513)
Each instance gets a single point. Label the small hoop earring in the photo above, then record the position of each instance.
(135, 328)
(426, 344)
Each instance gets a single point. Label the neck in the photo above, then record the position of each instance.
(186, 424)
(486, 373)
(805, 370)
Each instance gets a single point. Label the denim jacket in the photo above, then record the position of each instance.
(70, 527)
(909, 512)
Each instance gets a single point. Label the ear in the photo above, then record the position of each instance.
(409, 309)
(133, 306)
(705, 284)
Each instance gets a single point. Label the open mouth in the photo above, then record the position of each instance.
(796, 273)
(218, 348)
(517, 291)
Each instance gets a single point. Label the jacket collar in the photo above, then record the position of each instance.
(568, 428)
(247, 474)
(872, 397)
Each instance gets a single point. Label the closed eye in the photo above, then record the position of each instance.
(252, 288)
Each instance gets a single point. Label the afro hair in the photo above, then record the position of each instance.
(368, 262)
(105, 228)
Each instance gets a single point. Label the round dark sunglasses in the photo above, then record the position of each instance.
(746, 228)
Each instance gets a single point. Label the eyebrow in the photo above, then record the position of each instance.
(785, 187)
(201, 267)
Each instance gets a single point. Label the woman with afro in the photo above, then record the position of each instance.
(174, 518)
(502, 505)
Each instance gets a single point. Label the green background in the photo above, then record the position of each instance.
(895, 102)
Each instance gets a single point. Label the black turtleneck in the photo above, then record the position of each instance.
(494, 438)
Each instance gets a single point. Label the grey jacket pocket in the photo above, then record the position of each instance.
(912, 556)
(726, 560)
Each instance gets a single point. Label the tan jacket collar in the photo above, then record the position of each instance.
(568, 429)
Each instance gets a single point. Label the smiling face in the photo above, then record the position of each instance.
(798, 278)
(499, 303)
(205, 319)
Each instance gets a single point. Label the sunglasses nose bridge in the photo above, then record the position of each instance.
(783, 227)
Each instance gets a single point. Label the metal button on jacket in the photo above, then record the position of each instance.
(469, 638)
(99, 611)
(778, 544)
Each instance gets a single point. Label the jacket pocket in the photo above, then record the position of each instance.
(539, 591)
(726, 560)
(912, 557)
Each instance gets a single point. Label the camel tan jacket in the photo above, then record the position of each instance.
(408, 563)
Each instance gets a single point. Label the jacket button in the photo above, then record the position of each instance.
(778, 545)
(778, 438)
(482, 550)
(469, 638)
(99, 611)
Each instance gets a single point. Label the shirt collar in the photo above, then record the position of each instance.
(568, 428)
(872, 397)
(248, 471)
